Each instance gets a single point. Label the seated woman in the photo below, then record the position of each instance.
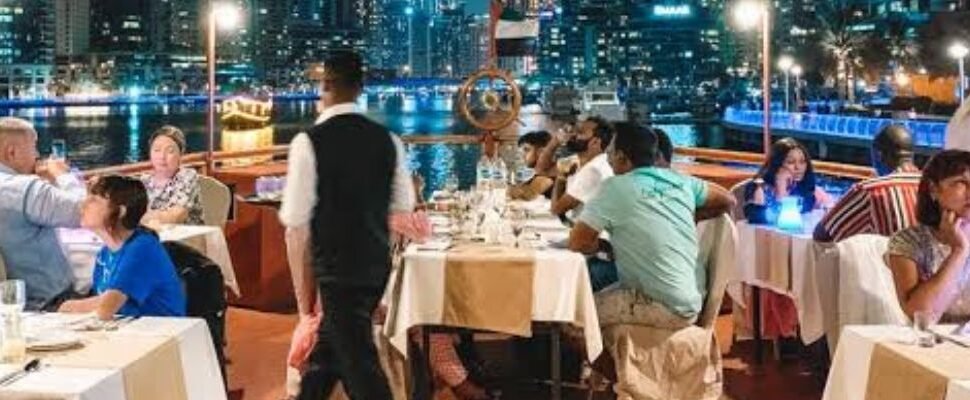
(787, 172)
(541, 183)
(133, 275)
(173, 191)
(929, 260)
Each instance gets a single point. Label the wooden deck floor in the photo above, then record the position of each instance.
(258, 343)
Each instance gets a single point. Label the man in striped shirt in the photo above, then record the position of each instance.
(882, 205)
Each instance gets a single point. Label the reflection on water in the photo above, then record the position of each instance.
(99, 136)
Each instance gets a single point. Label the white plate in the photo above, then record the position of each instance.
(53, 341)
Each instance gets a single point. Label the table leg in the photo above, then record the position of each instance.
(426, 342)
(756, 324)
(556, 362)
(419, 373)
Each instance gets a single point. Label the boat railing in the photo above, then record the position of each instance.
(928, 134)
(197, 160)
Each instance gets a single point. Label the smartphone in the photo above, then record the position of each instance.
(58, 149)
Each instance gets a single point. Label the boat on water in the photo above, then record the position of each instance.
(602, 99)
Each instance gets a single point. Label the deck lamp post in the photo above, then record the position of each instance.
(223, 16)
(749, 14)
(797, 71)
(959, 51)
(785, 63)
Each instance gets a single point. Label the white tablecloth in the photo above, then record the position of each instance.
(82, 246)
(200, 368)
(561, 293)
(790, 264)
(849, 374)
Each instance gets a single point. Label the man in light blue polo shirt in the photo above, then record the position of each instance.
(650, 214)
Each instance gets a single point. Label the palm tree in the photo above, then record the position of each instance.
(839, 40)
(903, 49)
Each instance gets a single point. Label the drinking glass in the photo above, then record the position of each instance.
(451, 183)
(13, 348)
(923, 321)
(517, 222)
(13, 296)
(261, 186)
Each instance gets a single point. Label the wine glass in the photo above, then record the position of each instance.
(13, 296)
(517, 221)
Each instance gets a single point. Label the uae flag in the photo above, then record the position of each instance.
(514, 34)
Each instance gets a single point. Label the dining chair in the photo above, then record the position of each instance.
(216, 200)
(655, 363)
(866, 292)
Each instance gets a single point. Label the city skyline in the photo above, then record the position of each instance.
(70, 46)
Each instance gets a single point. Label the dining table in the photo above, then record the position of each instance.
(884, 362)
(78, 357)
(507, 287)
(790, 263)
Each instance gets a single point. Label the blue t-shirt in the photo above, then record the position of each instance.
(649, 213)
(142, 270)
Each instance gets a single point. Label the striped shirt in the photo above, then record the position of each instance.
(883, 206)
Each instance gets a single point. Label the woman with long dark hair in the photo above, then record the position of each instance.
(788, 171)
(929, 261)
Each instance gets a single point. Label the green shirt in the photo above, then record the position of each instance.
(649, 213)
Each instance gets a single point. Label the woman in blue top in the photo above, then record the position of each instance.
(786, 172)
(133, 275)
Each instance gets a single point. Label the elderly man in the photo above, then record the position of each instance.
(34, 200)
(883, 205)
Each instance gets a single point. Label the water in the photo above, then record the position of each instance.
(98, 136)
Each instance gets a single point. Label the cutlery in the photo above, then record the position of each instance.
(118, 323)
(31, 366)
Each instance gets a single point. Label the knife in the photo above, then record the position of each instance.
(31, 366)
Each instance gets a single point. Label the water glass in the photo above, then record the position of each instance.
(923, 321)
(13, 348)
(261, 186)
(13, 296)
(451, 184)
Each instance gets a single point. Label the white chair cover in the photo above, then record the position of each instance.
(654, 363)
(216, 200)
(867, 292)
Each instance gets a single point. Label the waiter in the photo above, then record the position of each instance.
(339, 186)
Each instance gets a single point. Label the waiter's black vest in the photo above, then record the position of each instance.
(355, 167)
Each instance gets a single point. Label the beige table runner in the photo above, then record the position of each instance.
(151, 366)
(489, 288)
(908, 372)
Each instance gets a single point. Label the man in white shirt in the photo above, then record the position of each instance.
(576, 186)
(344, 177)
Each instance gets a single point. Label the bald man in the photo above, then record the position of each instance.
(882, 205)
(31, 207)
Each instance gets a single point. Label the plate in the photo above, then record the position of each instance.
(53, 341)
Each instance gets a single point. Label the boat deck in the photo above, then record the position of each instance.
(258, 343)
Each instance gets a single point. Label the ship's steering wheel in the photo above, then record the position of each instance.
(484, 105)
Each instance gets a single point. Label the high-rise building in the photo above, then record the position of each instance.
(270, 30)
(388, 52)
(120, 26)
(27, 32)
(73, 27)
